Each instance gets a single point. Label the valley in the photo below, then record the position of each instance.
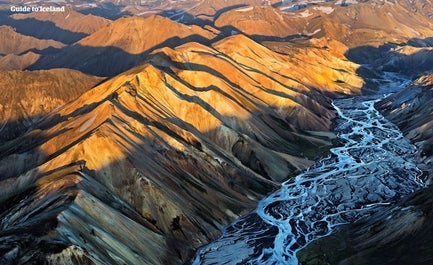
(216, 132)
(373, 169)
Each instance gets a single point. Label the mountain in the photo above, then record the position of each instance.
(28, 96)
(70, 20)
(385, 238)
(377, 22)
(199, 120)
(122, 45)
(128, 34)
(367, 23)
(411, 110)
(208, 11)
(18, 62)
(17, 43)
(152, 163)
(28, 36)
(412, 59)
(260, 22)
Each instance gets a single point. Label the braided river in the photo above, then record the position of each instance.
(373, 167)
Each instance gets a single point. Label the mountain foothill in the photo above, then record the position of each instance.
(134, 133)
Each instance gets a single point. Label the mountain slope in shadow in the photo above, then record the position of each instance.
(27, 96)
(18, 43)
(151, 164)
(122, 45)
(70, 21)
(411, 110)
(388, 237)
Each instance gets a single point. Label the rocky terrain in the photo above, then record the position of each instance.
(126, 41)
(195, 133)
(169, 123)
(411, 110)
(17, 62)
(26, 37)
(372, 168)
(28, 96)
(69, 22)
(17, 43)
(377, 239)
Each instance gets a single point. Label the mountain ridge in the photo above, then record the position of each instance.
(19, 43)
(196, 129)
(28, 96)
(95, 53)
(189, 133)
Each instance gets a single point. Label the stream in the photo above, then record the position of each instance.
(374, 167)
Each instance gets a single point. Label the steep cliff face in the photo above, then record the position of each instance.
(151, 164)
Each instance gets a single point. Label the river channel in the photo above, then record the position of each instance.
(373, 168)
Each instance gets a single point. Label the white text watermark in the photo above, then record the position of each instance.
(28, 9)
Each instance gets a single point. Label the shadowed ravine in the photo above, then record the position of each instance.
(374, 167)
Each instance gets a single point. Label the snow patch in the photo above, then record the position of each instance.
(312, 33)
(325, 9)
(246, 9)
(305, 13)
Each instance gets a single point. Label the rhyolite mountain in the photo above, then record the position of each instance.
(29, 96)
(151, 164)
(16, 43)
(122, 44)
(25, 37)
(67, 27)
(18, 61)
(367, 24)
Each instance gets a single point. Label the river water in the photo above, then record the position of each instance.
(374, 167)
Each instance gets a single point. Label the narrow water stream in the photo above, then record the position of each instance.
(375, 167)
